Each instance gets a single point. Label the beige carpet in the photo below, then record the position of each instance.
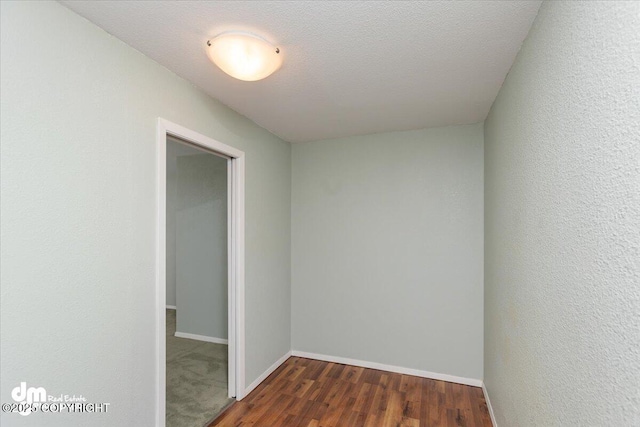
(196, 379)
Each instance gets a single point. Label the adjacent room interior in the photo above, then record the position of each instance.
(434, 221)
(196, 285)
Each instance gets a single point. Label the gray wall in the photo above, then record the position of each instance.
(387, 246)
(562, 272)
(174, 149)
(77, 170)
(201, 245)
(197, 239)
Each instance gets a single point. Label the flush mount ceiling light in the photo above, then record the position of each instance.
(244, 56)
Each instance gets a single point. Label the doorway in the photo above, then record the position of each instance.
(200, 276)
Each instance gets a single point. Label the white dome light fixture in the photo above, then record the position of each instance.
(244, 56)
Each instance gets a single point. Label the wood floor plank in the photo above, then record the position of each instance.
(304, 392)
(393, 412)
(352, 373)
(363, 395)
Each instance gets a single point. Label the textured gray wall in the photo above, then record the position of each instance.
(78, 159)
(387, 248)
(562, 251)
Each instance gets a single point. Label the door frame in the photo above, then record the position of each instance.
(235, 173)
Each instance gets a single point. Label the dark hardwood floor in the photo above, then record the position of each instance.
(304, 392)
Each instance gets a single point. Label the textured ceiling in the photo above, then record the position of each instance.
(350, 67)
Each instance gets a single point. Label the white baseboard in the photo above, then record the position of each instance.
(489, 407)
(171, 307)
(389, 368)
(201, 338)
(266, 373)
